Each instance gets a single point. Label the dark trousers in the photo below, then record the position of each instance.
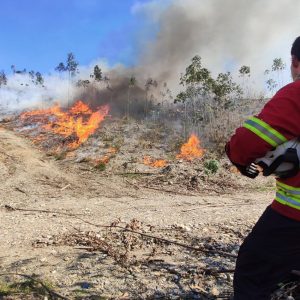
(267, 256)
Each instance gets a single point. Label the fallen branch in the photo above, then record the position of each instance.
(21, 191)
(10, 208)
(52, 294)
(215, 272)
(135, 173)
(198, 249)
(65, 187)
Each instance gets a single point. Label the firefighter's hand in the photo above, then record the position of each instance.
(250, 171)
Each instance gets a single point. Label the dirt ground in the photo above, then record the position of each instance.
(50, 236)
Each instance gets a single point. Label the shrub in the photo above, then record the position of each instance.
(211, 166)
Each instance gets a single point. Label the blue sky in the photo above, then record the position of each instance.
(37, 34)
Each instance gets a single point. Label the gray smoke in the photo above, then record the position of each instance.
(225, 33)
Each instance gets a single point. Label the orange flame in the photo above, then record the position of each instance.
(191, 150)
(41, 112)
(80, 108)
(79, 121)
(149, 161)
(106, 158)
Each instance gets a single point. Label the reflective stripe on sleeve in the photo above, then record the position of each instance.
(289, 201)
(287, 188)
(265, 131)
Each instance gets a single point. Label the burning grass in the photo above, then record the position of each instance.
(75, 125)
(156, 163)
(118, 149)
(191, 149)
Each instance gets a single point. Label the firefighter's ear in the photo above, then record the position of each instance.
(295, 61)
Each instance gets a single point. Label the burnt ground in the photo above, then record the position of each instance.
(74, 227)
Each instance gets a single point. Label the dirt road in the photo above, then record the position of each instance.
(32, 241)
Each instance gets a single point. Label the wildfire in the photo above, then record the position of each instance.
(78, 122)
(191, 150)
(149, 161)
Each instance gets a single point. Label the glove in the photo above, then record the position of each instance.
(250, 171)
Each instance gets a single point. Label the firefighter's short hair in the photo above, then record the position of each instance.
(296, 48)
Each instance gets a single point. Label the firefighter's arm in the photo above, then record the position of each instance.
(277, 123)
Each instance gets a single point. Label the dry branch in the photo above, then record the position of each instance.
(198, 249)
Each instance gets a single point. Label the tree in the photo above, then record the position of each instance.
(39, 80)
(244, 74)
(166, 94)
(15, 71)
(150, 82)
(31, 75)
(61, 68)
(278, 65)
(201, 85)
(275, 76)
(3, 79)
(83, 83)
(223, 87)
(271, 85)
(71, 65)
(195, 74)
(206, 99)
(131, 84)
(97, 74)
(244, 71)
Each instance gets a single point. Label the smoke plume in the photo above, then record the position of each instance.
(226, 34)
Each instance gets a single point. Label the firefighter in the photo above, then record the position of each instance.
(271, 251)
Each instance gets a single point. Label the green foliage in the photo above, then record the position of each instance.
(212, 166)
(101, 166)
(132, 81)
(271, 84)
(71, 65)
(199, 83)
(25, 287)
(61, 67)
(83, 83)
(244, 71)
(97, 75)
(39, 80)
(223, 87)
(196, 74)
(278, 64)
(150, 82)
(275, 76)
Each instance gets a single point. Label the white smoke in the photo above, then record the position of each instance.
(226, 34)
(22, 92)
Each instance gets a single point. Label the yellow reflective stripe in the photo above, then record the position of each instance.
(269, 128)
(262, 136)
(287, 187)
(265, 131)
(287, 201)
